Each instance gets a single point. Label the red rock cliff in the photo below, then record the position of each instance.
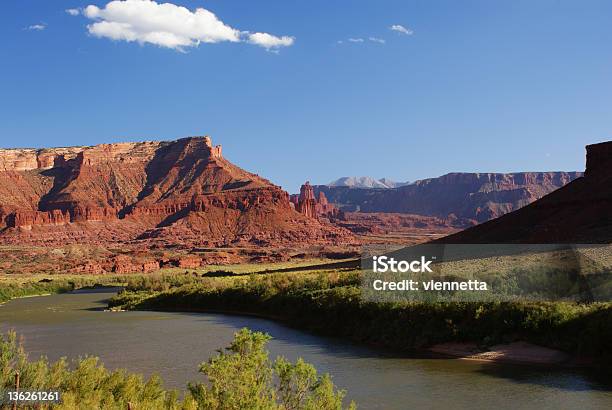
(164, 191)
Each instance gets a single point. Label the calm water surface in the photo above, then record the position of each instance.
(173, 344)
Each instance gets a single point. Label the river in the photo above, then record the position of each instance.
(173, 344)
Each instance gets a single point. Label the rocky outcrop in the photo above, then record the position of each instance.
(167, 192)
(474, 196)
(314, 207)
(305, 203)
(124, 264)
(598, 160)
(34, 159)
(189, 262)
(580, 212)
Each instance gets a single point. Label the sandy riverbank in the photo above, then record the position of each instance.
(516, 352)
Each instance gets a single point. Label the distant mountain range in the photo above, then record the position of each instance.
(580, 212)
(476, 196)
(366, 183)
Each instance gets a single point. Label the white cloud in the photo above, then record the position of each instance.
(360, 40)
(377, 40)
(37, 27)
(169, 25)
(268, 41)
(401, 29)
(73, 12)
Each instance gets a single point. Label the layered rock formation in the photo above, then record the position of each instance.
(170, 192)
(478, 197)
(580, 212)
(314, 207)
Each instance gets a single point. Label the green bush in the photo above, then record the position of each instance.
(243, 377)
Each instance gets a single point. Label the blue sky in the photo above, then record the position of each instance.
(477, 86)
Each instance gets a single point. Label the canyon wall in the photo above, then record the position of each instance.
(474, 196)
(580, 212)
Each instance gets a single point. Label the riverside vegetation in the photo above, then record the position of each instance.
(240, 377)
(330, 302)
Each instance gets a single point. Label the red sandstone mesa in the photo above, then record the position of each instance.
(182, 191)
